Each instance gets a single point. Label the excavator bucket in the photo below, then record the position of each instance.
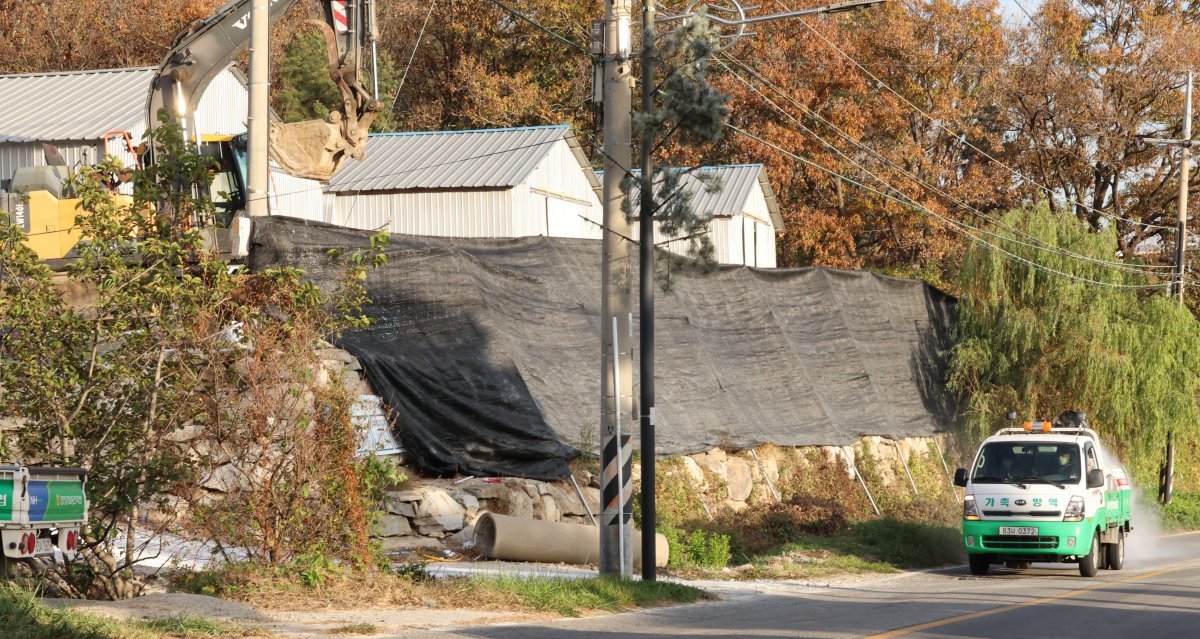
(313, 149)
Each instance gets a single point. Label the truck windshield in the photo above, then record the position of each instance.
(1049, 463)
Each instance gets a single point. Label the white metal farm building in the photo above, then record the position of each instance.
(88, 114)
(741, 204)
(491, 183)
(529, 181)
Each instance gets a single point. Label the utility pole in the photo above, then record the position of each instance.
(1184, 175)
(646, 291)
(257, 127)
(1185, 165)
(646, 221)
(616, 317)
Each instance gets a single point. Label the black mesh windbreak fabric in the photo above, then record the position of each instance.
(488, 350)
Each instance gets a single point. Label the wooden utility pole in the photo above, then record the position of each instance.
(616, 317)
(1184, 175)
(1185, 166)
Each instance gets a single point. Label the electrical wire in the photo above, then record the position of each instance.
(967, 142)
(547, 30)
(417, 45)
(956, 226)
(1040, 244)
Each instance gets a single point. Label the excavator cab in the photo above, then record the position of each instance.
(228, 188)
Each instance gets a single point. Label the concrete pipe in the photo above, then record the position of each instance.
(517, 539)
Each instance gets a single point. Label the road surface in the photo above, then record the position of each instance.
(1156, 596)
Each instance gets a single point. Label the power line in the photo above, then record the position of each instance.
(547, 30)
(956, 226)
(432, 4)
(1041, 245)
(965, 141)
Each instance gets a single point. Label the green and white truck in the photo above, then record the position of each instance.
(41, 508)
(1047, 492)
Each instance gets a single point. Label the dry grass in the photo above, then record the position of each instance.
(281, 589)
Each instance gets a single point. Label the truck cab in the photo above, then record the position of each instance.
(1045, 492)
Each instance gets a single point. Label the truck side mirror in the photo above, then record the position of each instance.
(1095, 478)
(960, 477)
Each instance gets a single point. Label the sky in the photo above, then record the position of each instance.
(1012, 11)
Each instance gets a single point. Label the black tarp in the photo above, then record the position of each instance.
(489, 350)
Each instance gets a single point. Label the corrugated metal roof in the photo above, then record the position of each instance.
(490, 158)
(73, 105)
(736, 182)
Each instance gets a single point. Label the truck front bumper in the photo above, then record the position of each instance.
(1054, 538)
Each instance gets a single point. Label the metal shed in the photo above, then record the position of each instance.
(741, 203)
(498, 183)
(90, 114)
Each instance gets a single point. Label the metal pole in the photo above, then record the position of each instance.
(1184, 170)
(863, 483)
(256, 162)
(373, 35)
(622, 472)
(900, 453)
(646, 290)
(616, 556)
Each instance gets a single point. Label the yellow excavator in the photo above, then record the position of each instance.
(313, 149)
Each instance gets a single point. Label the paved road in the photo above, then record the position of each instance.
(1156, 596)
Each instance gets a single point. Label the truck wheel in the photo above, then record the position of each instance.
(8, 568)
(979, 564)
(1089, 564)
(1116, 552)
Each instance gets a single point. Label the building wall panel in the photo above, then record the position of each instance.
(223, 108)
(443, 214)
(295, 197)
(17, 155)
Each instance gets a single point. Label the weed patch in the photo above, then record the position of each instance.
(1183, 513)
(570, 597)
(270, 587)
(24, 616)
(355, 629)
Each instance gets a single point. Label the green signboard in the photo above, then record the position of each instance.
(55, 500)
(8, 498)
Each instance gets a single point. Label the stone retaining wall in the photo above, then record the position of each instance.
(439, 512)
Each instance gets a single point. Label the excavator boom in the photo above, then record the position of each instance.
(313, 149)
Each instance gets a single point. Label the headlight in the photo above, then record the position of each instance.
(1074, 511)
(970, 510)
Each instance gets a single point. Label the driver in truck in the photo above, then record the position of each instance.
(1068, 466)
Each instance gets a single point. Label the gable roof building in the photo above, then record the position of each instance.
(88, 114)
(498, 183)
(741, 204)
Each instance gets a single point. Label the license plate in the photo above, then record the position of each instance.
(1018, 530)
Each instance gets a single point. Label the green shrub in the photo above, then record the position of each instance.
(697, 549)
(905, 544)
(1183, 513)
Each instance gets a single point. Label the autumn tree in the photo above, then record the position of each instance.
(60, 35)
(906, 123)
(1085, 81)
(476, 65)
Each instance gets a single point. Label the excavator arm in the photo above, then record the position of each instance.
(312, 149)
